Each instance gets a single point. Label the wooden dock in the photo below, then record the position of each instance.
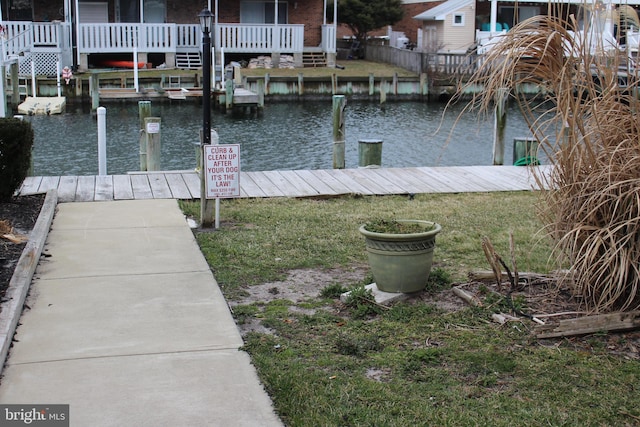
(296, 183)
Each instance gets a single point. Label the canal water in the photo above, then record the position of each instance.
(286, 136)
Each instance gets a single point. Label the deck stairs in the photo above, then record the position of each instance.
(188, 60)
(314, 59)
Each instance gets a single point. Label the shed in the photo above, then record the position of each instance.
(449, 27)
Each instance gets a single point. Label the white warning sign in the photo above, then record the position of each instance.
(222, 170)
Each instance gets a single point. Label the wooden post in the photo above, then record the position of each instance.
(369, 153)
(383, 91)
(15, 84)
(144, 111)
(424, 84)
(372, 82)
(266, 83)
(300, 84)
(334, 83)
(260, 95)
(395, 83)
(500, 124)
(229, 96)
(152, 131)
(339, 104)
(94, 90)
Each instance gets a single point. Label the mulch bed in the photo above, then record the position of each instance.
(21, 213)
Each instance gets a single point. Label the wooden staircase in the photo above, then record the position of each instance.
(314, 59)
(188, 60)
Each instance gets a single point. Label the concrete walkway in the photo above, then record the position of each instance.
(126, 324)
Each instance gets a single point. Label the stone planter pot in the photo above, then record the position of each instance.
(401, 262)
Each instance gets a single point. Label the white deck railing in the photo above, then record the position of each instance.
(261, 38)
(123, 38)
(328, 39)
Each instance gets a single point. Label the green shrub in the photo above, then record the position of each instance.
(16, 140)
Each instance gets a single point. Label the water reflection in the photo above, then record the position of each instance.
(286, 136)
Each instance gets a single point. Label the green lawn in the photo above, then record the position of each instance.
(325, 363)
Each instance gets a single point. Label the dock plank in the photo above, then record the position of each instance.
(368, 179)
(298, 186)
(159, 186)
(316, 182)
(30, 185)
(192, 180)
(48, 183)
(412, 183)
(391, 182)
(353, 185)
(86, 189)
(269, 188)
(104, 187)
(177, 186)
(141, 187)
(330, 181)
(67, 188)
(249, 187)
(122, 189)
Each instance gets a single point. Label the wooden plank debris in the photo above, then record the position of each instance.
(610, 322)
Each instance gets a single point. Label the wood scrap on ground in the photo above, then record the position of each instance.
(7, 232)
(610, 322)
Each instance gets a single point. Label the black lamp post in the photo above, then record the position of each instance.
(206, 21)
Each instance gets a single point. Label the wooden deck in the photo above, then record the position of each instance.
(298, 183)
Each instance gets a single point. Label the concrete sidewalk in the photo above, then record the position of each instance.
(127, 325)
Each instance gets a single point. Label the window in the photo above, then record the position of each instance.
(458, 19)
(256, 12)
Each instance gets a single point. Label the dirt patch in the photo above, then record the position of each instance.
(301, 285)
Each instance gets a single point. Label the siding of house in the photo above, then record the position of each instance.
(457, 39)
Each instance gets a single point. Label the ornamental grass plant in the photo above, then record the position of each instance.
(585, 121)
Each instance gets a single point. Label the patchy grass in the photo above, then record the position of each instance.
(412, 363)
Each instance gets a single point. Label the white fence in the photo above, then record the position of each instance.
(123, 38)
(261, 38)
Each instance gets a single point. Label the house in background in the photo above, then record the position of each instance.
(449, 27)
(84, 32)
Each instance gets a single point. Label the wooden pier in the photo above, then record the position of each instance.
(292, 183)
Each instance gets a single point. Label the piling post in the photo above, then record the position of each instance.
(229, 96)
(266, 83)
(94, 90)
(339, 104)
(500, 125)
(152, 131)
(369, 153)
(260, 95)
(102, 141)
(395, 83)
(144, 111)
(300, 84)
(372, 83)
(334, 83)
(424, 84)
(383, 91)
(15, 84)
